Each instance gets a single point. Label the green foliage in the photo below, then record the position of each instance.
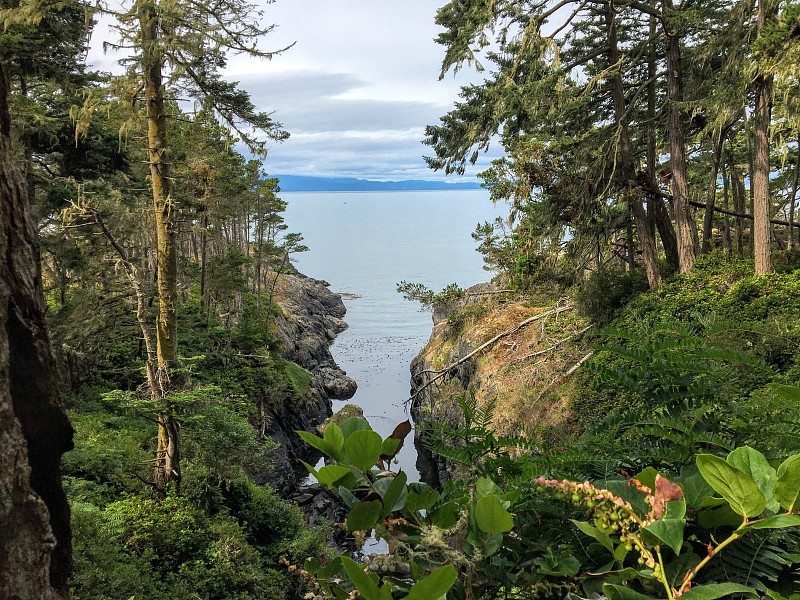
(427, 298)
(163, 550)
(606, 291)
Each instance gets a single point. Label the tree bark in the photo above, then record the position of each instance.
(167, 464)
(760, 183)
(793, 195)
(685, 228)
(711, 194)
(35, 536)
(626, 165)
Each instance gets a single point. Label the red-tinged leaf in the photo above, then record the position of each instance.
(666, 491)
(400, 432)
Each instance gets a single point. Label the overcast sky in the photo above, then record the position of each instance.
(355, 91)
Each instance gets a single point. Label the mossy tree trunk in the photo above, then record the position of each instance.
(167, 460)
(35, 537)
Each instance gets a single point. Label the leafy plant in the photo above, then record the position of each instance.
(652, 527)
(407, 516)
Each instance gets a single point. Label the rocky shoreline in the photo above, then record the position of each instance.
(311, 318)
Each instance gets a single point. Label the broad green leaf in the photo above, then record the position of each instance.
(753, 464)
(491, 517)
(719, 517)
(366, 584)
(309, 468)
(594, 532)
(622, 489)
(485, 486)
(354, 424)
(330, 474)
(348, 496)
(647, 477)
(565, 566)
(493, 544)
(620, 592)
(787, 486)
(512, 496)
(389, 446)
(363, 448)
(445, 515)
(334, 437)
(695, 487)
(775, 522)
(435, 585)
(626, 574)
(315, 442)
(676, 569)
(736, 487)
(396, 494)
(712, 591)
(668, 531)
(421, 496)
(364, 515)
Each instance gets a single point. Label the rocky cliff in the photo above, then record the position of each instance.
(310, 319)
(514, 352)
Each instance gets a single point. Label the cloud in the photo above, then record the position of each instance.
(335, 133)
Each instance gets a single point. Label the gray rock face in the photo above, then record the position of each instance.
(311, 319)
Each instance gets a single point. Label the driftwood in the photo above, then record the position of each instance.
(441, 373)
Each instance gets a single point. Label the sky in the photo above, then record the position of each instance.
(355, 91)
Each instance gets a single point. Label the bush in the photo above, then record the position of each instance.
(607, 291)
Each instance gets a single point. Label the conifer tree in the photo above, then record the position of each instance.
(182, 46)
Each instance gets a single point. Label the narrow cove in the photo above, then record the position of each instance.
(363, 244)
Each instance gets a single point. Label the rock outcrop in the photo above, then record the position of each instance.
(509, 352)
(311, 319)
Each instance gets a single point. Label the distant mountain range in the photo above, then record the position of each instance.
(299, 183)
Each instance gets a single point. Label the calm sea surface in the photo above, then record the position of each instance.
(363, 244)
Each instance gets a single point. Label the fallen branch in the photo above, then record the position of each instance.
(551, 348)
(485, 345)
(565, 376)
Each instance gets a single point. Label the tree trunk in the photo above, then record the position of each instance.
(167, 467)
(793, 196)
(726, 227)
(626, 165)
(711, 194)
(35, 536)
(685, 228)
(760, 181)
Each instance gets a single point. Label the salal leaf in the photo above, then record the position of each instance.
(787, 486)
(421, 496)
(491, 517)
(331, 474)
(712, 591)
(364, 515)
(753, 464)
(334, 438)
(433, 586)
(315, 442)
(620, 592)
(594, 532)
(396, 494)
(775, 522)
(366, 583)
(736, 487)
(667, 531)
(354, 424)
(363, 448)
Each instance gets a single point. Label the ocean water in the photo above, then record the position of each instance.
(364, 244)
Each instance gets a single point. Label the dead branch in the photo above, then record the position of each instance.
(551, 348)
(560, 380)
